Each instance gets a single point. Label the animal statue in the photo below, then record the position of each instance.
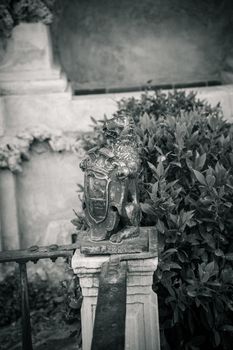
(110, 202)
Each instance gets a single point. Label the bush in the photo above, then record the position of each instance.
(46, 299)
(186, 190)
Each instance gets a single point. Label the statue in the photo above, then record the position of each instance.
(110, 203)
(112, 211)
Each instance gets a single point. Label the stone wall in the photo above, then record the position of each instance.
(104, 44)
(36, 205)
(107, 43)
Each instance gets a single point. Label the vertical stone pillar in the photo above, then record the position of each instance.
(2, 116)
(33, 92)
(142, 323)
(8, 211)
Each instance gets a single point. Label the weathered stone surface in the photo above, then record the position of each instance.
(142, 324)
(46, 190)
(24, 52)
(32, 96)
(107, 45)
(2, 116)
(28, 65)
(109, 326)
(58, 232)
(131, 245)
(9, 229)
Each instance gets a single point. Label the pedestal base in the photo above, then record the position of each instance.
(142, 324)
(28, 66)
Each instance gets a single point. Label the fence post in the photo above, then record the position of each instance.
(26, 324)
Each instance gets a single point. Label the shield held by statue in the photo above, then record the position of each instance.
(97, 196)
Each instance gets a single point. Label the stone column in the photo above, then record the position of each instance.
(34, 93)
(8, 211)
(142, 323)
(2, 116)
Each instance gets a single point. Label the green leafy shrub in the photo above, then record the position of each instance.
(41, 296)
(186, 190)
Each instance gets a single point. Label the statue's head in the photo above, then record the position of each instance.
(121, 126)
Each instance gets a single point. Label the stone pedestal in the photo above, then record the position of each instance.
(142, 324)
(28, 65)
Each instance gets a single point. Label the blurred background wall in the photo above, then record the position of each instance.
(109, 43)
(94, 44)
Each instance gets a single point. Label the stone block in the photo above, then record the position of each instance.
(142, 323)
(28, 65)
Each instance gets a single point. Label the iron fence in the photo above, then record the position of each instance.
(34, 254)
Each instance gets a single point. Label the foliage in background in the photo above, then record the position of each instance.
(12, 12)
(186, 190)
(45, 299)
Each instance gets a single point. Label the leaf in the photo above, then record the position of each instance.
(186, 216)
(159, 150)
(210, 267)
(205, 278)
(200, 177)
(201, 161)
(174, 265)
(227, 328)
(177, 164)
(75, 303)
(160, 169)
(174, 218)
(210, 180)
(189, 163)
(191, 291)
(217, 338)
(93, 120)
(81, 188)
(150, 144)
(152, 167)
(227, 274)
(169, 252)
(59, 299)
(147, 209)
(182, 256)
(229, 256)
(219, 252)
(154, 191)
(145, 122)
(160, 226)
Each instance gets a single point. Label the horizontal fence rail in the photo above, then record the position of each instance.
(21, 257)
(36, 253)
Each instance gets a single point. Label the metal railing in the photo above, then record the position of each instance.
(21, 257)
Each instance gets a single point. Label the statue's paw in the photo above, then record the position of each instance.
(116, 238)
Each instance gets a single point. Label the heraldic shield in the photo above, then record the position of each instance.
(96, 188)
